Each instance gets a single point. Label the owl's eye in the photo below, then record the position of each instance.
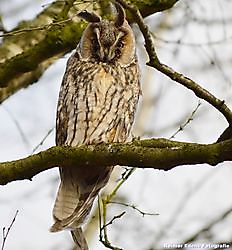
(95, 43)
(95, 39)
(120, 43)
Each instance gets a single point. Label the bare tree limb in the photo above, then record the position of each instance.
(154, 153)
(189, 119)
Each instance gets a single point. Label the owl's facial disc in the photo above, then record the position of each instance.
(109, 42)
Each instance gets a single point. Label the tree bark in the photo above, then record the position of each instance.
(153, 153)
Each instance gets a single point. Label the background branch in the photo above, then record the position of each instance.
(209, 226)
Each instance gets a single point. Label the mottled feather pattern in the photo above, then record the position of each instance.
(97, 103)
(101, 110)
(102, 105)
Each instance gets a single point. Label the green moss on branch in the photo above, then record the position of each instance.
(154, 153)
(57, 41)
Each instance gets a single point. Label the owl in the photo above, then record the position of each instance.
(97, 103)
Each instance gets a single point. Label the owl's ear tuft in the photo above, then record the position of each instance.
(120, 15)
(89, 17)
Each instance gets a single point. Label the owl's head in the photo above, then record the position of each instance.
(107, 41)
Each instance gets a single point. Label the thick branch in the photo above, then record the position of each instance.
(25, 80)
(154, 153)
(29, 36)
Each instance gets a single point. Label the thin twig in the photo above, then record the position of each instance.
(42, 27)
(133, 207)
(43, 140)
(50, 25)
(128, 173)
(5, 232)
(113, 219)
(181, 128)
(100, 218)
(18, 126)
(103, 229)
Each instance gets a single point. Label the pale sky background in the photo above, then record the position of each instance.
(186, 198)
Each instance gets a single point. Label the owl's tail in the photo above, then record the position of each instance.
(78, 189)
(79, 239)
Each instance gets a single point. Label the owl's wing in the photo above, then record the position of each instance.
(68, 193)
(62, 116)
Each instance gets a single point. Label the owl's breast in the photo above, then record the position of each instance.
(105, 104)
(103, 80)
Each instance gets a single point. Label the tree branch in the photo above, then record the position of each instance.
(28, 35)
(154, 153)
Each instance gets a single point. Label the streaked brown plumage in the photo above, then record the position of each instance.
(97, 103)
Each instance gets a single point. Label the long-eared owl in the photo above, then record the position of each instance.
(97, 103)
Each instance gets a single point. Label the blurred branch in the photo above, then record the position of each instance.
(148, 7)
(18, 126)
(179, 210)
(209, 226)
(154, 153)
(25, 79)
(174, 75)
(192, 44)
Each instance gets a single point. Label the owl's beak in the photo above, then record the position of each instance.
(106, 55)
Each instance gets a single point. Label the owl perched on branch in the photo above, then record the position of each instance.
(97, 103)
